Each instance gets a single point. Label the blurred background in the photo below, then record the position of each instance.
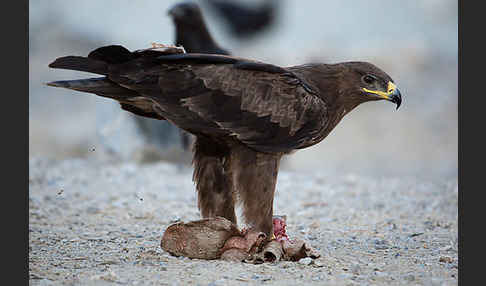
(413, 41)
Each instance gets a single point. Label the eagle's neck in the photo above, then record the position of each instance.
(322, 78)
(325, 80)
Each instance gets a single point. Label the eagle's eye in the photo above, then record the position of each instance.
(368, 79)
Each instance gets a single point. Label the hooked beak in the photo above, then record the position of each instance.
(392, 94)
(395, 96)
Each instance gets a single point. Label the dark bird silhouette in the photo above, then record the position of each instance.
(192, 33)
(245, 114)
(245, 21)
(191, 30)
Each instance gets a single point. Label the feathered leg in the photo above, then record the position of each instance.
(215, 197)
(253, 177)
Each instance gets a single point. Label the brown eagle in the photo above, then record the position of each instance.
(245, 114)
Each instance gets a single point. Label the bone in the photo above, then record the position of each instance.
(272, 252)
(235, 254)
(214, 238)
(201, 239)
(297, 249)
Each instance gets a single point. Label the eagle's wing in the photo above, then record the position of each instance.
(268, 108)
(264, 106)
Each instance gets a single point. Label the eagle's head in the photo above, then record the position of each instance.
(366, 82)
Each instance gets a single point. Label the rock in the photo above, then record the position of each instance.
(446, 259)
(319, 263)
(381, 244)
(305, 261)
(380, 274)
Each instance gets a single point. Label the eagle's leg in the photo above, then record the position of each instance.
(253, 177)
(215, 197)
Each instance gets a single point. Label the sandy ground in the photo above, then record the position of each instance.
(100, 223)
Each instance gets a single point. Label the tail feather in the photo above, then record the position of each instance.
(98, 62)
(100, 86)
(80, 64)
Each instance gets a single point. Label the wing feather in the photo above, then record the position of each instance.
(263, 94)
(263, 109)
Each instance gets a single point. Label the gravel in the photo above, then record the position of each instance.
(93, 222)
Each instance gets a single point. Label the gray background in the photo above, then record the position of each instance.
(414, 41)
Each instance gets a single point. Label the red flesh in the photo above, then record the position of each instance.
(279, 229)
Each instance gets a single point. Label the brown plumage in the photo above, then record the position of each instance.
(245, 114)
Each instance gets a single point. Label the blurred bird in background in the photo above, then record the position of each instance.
(192, 33)
(245, 21)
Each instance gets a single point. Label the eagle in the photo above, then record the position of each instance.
(245, 114)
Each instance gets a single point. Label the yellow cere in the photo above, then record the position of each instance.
(391, 88)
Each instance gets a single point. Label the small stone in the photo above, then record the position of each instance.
(318, 277)
(415, 234)
(314, 225)
(381, 244)
(445, 259)
(318, 263)
(305, 261)
(409, 277)
(380, 274)
(446, 248)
